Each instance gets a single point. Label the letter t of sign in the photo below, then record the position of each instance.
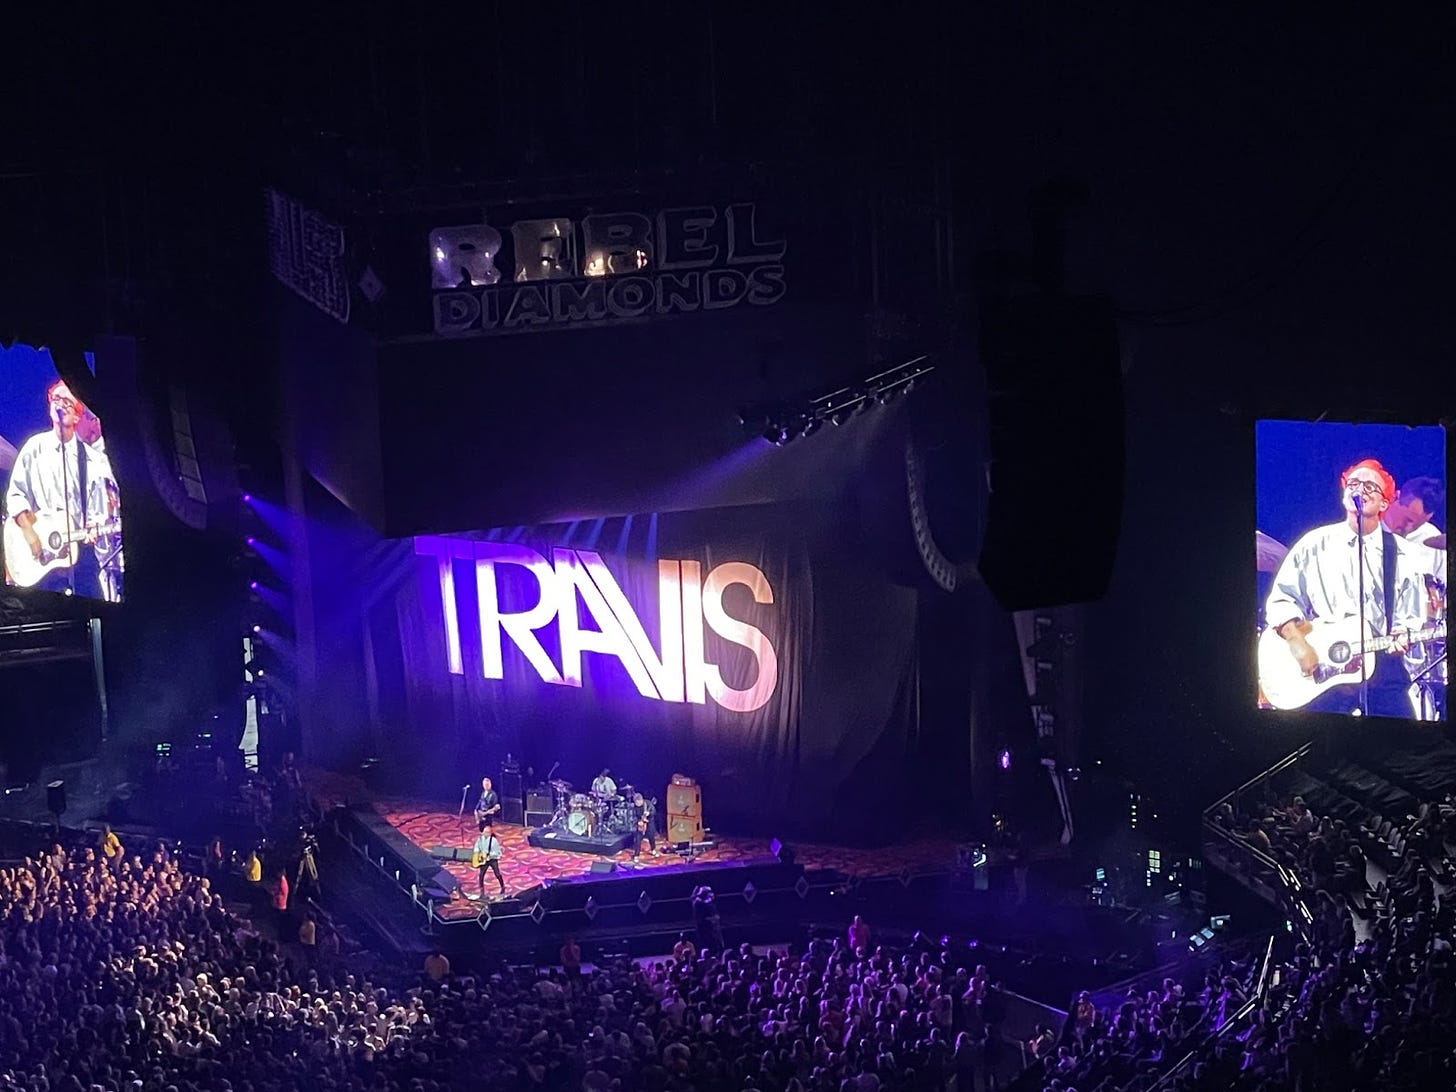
(519, 626)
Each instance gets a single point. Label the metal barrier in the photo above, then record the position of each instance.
(1233, 1022)
(1292, 759)
(1252, 867)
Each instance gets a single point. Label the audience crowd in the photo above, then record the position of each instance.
(1131, 1044)
(1346, 1009)
(125, 971)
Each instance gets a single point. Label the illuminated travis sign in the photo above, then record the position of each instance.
(627, 266)
(687, 601)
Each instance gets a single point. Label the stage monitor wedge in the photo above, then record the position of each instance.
(1056, 442)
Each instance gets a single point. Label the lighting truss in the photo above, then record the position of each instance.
(783, 422)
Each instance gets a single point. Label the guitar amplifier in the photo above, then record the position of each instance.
(684, 810)
(511, 810)
(510, 783)
(684, 800)
(540, 800)
(684, 828)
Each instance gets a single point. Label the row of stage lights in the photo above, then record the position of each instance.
(783, 422)
(266, 620)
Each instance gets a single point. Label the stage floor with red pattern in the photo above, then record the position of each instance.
(524, 866)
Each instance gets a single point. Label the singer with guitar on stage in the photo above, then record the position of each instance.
(62, 506)
(485, 856)
(1345, 605)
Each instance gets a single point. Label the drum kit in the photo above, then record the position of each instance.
(592, 814)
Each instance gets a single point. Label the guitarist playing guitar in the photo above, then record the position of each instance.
(643, 813)
(1315, 607)
(488, 806)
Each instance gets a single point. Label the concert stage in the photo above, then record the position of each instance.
(537, 874)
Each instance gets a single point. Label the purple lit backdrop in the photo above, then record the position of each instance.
(845, 639)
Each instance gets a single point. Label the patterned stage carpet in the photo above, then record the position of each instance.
(524, 866)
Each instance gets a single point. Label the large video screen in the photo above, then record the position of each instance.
(1350, 548)
(61, 504)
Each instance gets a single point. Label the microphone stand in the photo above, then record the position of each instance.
(460, 829)
(1360, 597)
(1418, 680)
(60, 419)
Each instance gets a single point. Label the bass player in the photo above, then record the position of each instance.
(488, 806)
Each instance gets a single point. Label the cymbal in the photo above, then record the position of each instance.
(1269, 552)
(560, 786)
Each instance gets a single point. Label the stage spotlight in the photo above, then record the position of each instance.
(247, 498)
(1004, 761)
(257, 629)
(252, 585)
(252, 541)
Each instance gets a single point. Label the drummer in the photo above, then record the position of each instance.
(604, 785)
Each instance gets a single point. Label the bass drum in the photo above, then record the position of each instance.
(581, 821)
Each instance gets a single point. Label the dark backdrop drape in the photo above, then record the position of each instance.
(844, 639)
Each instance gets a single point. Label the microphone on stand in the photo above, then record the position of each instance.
(1357, 496)
(553, 770)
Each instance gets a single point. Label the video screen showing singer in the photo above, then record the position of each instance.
(1352, 615)
(62, 526)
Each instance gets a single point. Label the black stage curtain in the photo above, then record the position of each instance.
(843, 637)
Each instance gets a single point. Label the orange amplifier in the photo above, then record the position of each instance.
(684, 810)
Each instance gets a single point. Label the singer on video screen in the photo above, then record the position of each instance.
(62, 527)
(1354, 616)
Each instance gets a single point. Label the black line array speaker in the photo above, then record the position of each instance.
(1056, 442)
(56, 798)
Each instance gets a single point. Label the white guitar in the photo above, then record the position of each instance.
(26, 570)
(1337, 644)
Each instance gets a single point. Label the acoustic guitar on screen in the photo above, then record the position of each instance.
(1337, 644)
(27, 570)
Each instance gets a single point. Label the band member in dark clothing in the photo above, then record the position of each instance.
(644, 818)
(488, 806)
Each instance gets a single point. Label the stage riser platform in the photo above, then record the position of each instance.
(549, 838)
